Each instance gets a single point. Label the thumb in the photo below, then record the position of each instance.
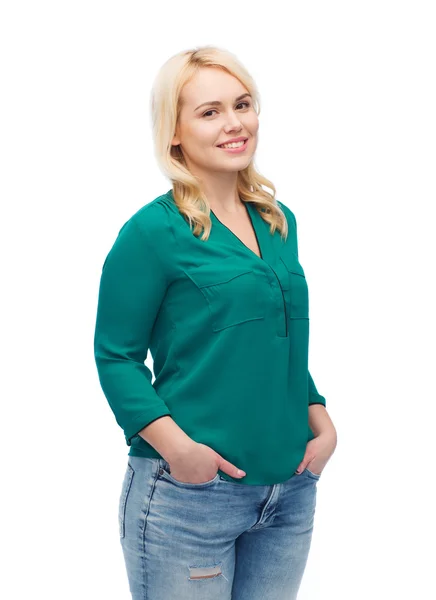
(227, 467)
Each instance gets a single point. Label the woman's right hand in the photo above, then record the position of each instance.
(200, 463)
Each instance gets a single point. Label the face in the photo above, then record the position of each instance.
(201, 129)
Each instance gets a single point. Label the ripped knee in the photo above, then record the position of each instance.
(204, 572)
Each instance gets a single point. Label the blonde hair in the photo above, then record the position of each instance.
(165, 105)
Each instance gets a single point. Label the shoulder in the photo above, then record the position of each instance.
(149, 225)
(144, 234)
(145, 229)
(153, 219)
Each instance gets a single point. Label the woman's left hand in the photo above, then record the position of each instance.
(318, 453)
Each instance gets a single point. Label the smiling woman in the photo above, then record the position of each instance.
(207, 277)
(200, 133)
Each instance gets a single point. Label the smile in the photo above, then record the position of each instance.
(235, 147)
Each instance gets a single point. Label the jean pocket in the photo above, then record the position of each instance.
(164, 473)
(311, 474)
(125, 489)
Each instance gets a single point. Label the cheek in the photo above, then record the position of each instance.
(202, 137)
(254, 125)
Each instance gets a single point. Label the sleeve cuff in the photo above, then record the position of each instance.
(317, 400)
(139, 424)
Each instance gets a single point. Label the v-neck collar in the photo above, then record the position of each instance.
(261, 230)
(268, 244)
(250, 215)
(250, 211)
(264, 237)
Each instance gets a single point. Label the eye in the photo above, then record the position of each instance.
(213, 110)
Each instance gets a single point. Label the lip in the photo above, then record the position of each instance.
(236, 139)
(235, 150)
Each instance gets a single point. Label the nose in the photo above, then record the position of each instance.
(233, 125)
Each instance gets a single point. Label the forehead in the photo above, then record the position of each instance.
(211, 84)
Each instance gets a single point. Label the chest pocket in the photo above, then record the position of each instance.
(295, 287)
(231, 292)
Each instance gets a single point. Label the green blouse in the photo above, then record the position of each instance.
(228, 332)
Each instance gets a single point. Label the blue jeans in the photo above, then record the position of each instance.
(216, 540)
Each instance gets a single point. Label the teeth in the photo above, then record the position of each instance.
(233, 145)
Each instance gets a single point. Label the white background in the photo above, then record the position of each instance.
(347, 135)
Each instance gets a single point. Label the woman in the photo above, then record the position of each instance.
(228, 444)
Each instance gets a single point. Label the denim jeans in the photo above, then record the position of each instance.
(216, 540)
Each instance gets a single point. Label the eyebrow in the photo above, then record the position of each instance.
(218, 103)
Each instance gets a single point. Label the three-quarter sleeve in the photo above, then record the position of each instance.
(314, 396)
(132, 287)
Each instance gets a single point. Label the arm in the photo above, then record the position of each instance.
(320, 422)
(132, 287)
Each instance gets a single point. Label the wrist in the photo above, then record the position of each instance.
(180, 450)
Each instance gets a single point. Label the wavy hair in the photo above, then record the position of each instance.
(165, 105)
